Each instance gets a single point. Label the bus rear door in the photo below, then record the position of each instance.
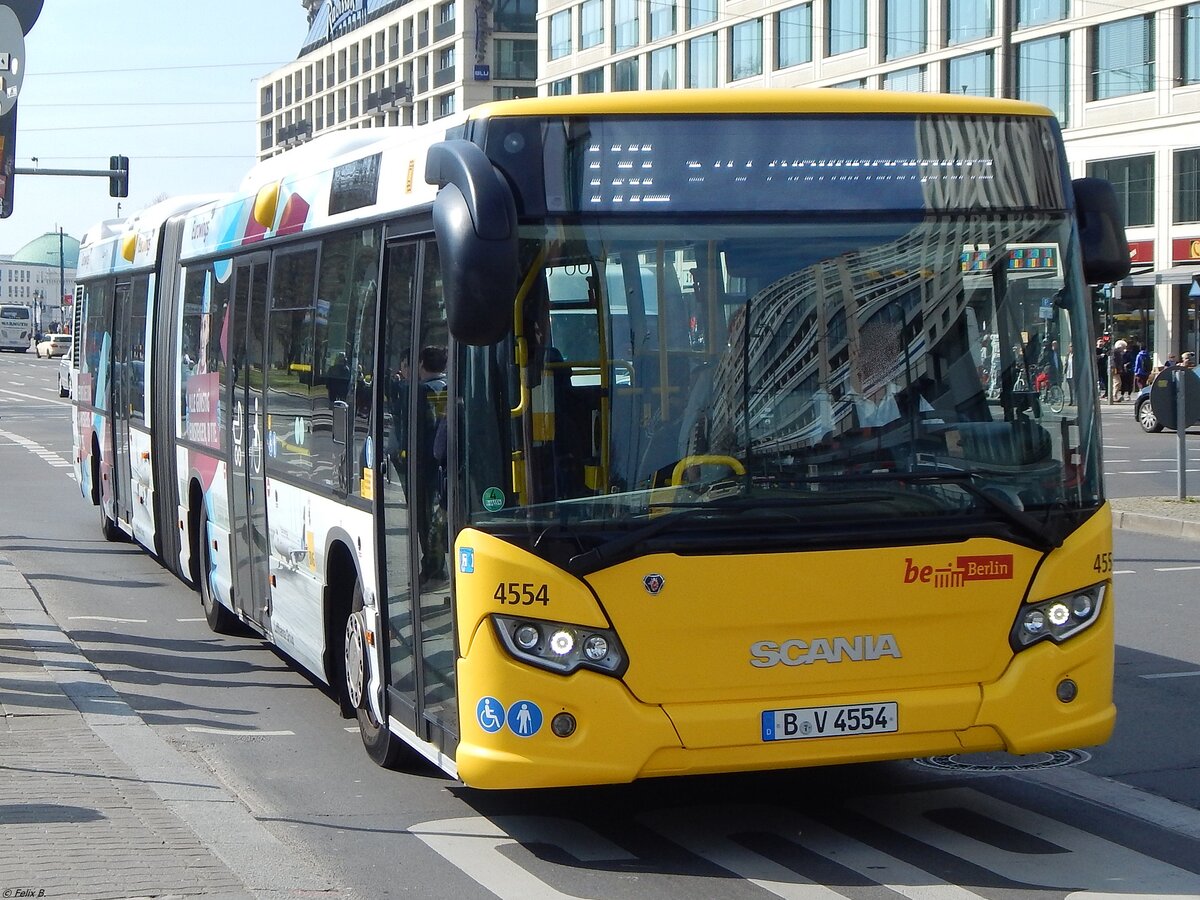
(119, 388)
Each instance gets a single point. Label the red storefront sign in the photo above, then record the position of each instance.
(1185, 250)
(1141, 253)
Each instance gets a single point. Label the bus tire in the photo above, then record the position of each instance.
(382, 746)
(220, 619)
(108, 527)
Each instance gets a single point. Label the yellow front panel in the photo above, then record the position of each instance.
(692, 699)
(783, 625)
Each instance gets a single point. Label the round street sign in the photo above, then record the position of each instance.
(12, 59)
(1164, 402)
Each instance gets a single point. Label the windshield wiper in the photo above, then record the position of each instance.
(607, 552)
(1014, 515)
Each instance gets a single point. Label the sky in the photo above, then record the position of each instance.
(171, 84)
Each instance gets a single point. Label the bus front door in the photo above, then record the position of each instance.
(420, 651)
(247, 477)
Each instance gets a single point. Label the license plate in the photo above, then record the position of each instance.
(828, 721)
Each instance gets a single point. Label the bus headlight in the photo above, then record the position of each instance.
(1058, 618)
(561, 647)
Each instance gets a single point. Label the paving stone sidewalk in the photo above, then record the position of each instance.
(94, 805)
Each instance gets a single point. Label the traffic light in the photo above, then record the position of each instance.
(118, 179)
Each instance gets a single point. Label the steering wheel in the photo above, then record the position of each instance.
(704, 459)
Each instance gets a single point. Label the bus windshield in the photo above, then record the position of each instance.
(776, 378)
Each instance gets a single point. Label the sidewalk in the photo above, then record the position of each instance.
(95, 804)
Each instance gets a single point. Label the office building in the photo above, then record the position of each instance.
(370, 63)
(1123, 79)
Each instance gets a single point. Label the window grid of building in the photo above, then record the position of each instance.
(793, 36)
(846, 25)
(906, 31)
(1186, 192)
(1133, 179)
(1122, 56)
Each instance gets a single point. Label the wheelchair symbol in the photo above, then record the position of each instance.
(490, 714)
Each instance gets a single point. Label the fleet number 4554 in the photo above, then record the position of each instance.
(522, 593)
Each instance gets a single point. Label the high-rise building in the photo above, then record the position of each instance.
(1123, 79)
(369, 63)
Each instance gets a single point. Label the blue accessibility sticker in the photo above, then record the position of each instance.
(524, 718)
(490, 714)
(466, 559)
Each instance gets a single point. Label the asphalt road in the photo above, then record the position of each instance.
(1112, 821)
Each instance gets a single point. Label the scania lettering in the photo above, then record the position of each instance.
(519, 429)
(765, 654)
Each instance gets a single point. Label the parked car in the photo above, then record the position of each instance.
(1144, 412)
(54, 345)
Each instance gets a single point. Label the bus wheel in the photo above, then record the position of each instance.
(382, 746)
(108, 527)
(220, 619)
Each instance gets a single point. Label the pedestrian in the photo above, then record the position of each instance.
(1141, 369)
(1102, 368)
(1053, 363)
(1117, 365)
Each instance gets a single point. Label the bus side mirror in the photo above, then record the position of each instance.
(1102, 242)
(475, 220)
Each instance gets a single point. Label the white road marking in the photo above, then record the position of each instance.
(53, 400)
(1087, 862)
(1089, 866)
(1125, 572)
(1172, 675)
(473, 845)
(106, 619)
(711, 834)
(201, 619)
(34, 447)
(1178, 569)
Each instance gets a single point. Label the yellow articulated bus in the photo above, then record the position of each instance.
(689, 432)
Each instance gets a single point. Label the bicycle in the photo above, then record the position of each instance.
(1053, 396)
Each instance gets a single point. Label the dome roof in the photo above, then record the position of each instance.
(43, 251)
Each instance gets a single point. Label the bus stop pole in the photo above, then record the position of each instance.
(1181, 430)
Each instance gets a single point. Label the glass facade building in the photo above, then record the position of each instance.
(1123, 80)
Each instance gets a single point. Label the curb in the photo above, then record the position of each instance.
(1160, 525)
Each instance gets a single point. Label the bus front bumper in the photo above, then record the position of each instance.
(508, 709)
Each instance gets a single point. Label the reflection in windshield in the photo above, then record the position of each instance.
(673, 365)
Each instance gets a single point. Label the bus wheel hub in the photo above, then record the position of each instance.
(355, 660)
